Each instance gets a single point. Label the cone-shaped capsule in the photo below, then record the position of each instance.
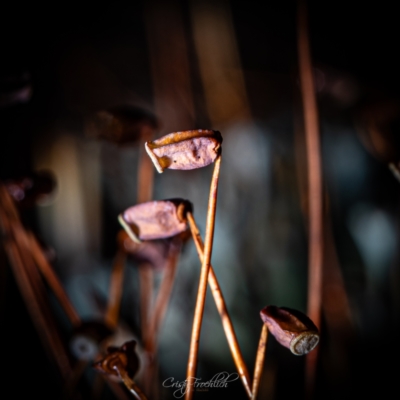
(185, 150)
(291, 328)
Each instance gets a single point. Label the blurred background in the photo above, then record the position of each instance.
(230, 66)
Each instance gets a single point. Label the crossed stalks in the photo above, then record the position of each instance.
(155, 231)
(161, 219)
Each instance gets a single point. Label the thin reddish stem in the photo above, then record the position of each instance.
(146, 295)
(130, 384)
(115, 290)
(202, 291)
(145, 175)
(314, 185)
(259, 364)
(164, 293)
(222, 309)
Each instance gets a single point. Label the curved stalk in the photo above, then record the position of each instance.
(222, 309)
(201, 294)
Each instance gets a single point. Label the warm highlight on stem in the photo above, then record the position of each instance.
(259, 365)
(129, 383)
(115, 291)
(201, 294)
(314, 184)
(222, 309)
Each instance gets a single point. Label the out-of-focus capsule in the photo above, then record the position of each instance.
(31, 189)
(121, 125)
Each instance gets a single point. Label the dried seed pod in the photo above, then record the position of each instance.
(31, 189)
(87, 338)
(15, 88)
(378, 126)
(291, 328)
(121, 125)
(155, 219)
(153, 252)
(124, 357)
(185, 150)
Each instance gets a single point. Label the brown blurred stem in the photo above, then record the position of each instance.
(117, 389)
(146, 296)
(163, 295)
(53, 281)
(97, 387)
(145, 172)
(222, 309)
(8, 204)
(202, 291)
(145, 180)
(157, 316)
(115, 290)
(395, 170)
(259, 365)
(72, 382)
(314, 186)
(18, 250)
(36, 308)
(129, 383)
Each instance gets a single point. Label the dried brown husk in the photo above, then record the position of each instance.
(121, 125)
(155, 219)
(185, 150)
(291, 328)
(153, 252)
(378, 125)
(31, 189)
(120, 357)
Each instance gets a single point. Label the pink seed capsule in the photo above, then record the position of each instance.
(291, 328)
(185, 150)
(155, 219)
(120, 357)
